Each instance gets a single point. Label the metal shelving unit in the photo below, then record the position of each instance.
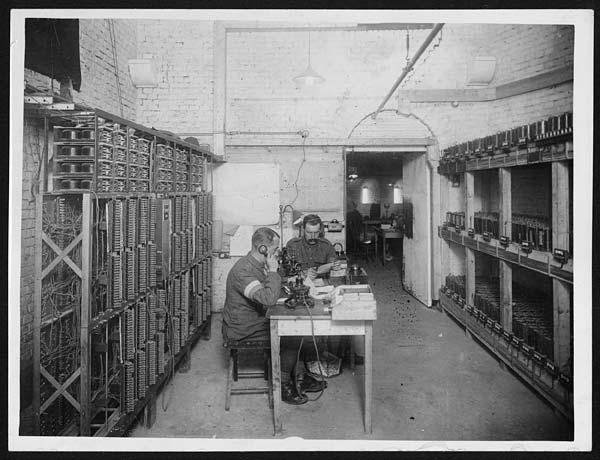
(528, 331)
(123, 270)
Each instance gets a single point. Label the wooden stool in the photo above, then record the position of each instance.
(233, 373)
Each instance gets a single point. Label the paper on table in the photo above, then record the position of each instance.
(319, 291)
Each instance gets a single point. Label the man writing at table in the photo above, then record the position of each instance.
(314, 253)
(252, 285)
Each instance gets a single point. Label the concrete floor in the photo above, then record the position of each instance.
(431, 382)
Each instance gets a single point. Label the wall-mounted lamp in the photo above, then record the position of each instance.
(480, 71)
(143, 72)
(364, 197)
(309, 77)
(352, 173)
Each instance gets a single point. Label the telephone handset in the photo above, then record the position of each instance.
(262, 249)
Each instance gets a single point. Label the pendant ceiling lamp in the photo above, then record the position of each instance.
(309, 77)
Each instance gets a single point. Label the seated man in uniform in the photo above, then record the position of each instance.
(315, 254)
(253, 284)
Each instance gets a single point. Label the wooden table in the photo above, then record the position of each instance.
(288, 322)
(386, 234)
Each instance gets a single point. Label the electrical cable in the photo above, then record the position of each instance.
(299, 169)
(312, 331)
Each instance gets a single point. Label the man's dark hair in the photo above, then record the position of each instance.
(264, 235)
(311, 219)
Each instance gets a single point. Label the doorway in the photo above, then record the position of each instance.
(374, 201)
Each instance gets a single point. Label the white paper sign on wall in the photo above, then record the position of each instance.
(246, 193)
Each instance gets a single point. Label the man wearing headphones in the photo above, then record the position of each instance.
(253, 284)
(315, 254)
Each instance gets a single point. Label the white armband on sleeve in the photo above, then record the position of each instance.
(252, 287)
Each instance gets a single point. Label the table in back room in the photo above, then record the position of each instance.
(385, 234)
(298, 322)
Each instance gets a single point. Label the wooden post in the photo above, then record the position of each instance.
(276, 364)
(37, 313)
(469, 199)
(560, 239)
(560, 205)
(368, 375)
(505, 295)
(469, 253)
(470, 276)
(86, 272)
(562, 323)
(505, 229)
(505, 223)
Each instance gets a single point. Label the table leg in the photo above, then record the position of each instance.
(376, 246)
(276, 376)
(383, 247)
(368, 375)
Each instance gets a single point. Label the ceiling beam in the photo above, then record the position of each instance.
(513, 88)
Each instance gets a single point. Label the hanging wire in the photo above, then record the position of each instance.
(111, 30)
(299, 169)
(422, 61)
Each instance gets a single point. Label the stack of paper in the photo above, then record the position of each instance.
(354, 302)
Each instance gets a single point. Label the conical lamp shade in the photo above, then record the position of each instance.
(309, 77)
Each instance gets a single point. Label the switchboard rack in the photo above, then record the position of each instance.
(123, 262)
(515, 190)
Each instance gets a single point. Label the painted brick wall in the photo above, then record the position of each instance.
(98, 80)
(524, 50)
(183, 100)
(98, 90)
(33, 137)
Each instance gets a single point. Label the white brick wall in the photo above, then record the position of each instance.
(182, 102)
(98, 79)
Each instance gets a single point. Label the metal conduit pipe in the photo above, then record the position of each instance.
(410, 65)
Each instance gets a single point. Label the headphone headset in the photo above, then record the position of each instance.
(262, 249)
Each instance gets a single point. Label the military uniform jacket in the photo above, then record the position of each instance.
(250, 287)
(311, 255)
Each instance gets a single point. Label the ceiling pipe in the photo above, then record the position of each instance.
(410, 65)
